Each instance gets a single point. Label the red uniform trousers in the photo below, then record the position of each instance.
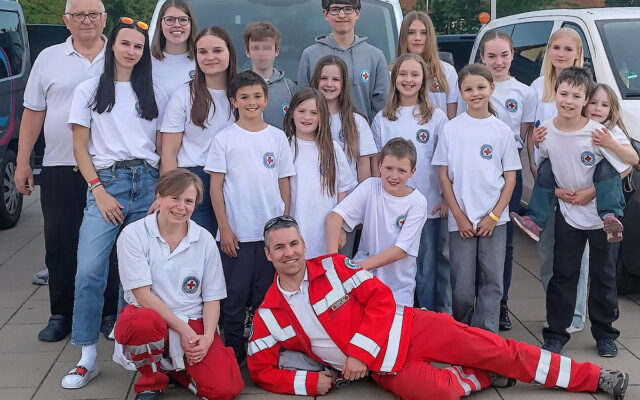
(437, 337)
(144, 333)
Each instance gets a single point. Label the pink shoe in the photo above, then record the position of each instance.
(613, 227)
(527, 225)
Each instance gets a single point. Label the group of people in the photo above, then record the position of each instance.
(209, 182)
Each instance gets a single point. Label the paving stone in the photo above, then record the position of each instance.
(25, 370)
(23, 338)
(17, 393)
(32, 312)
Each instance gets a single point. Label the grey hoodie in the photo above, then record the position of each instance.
(281, 90)
(368, 71)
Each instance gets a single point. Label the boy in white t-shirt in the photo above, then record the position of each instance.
(250, 164)
(569, 147)
(392, 215)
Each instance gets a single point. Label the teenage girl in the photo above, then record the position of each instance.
(197, 111)
(478, 159)
(323, 176)
(563, 50)
(410, 115)
(418, 36)
(515, 104)
(115, 122)
(173, 48)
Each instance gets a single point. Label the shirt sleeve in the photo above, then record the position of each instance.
(376, 130)
(409, 237)
(452, 80)
(352, 208)
(175, 115)
(529, 106)
(285, 164)
(80, 112)
(365, 136)
(510, 157)
(213, 283)
(613, 159)
(303, 69)
(619, 135)
(441, 154)
(346, 180)
(216, 159)
(34, 95)
(135, 271)
(381, 86)
(161, 102)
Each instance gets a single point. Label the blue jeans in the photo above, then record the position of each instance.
(514, 205)
(133, 188)
(203, 213)
(427, 261)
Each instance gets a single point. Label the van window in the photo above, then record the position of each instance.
(299, 22)
(622, 51)
(588, 63)
(11, 45)
(529, 45)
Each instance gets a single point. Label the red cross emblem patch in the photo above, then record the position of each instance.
(486, 151)
(422, 136)
(365, 75)
(285, 108)
(269, 160)
(511, 105)
(190, 284)
(588, 158)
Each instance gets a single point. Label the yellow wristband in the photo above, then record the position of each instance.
(493, 216)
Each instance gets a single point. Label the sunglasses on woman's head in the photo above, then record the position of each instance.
(131, 21)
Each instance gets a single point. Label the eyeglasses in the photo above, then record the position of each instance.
(183, 21)
(346, 9)
(131, 21)
(279, 219)
(80, 17)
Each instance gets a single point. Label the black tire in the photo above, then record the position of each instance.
(11, 200)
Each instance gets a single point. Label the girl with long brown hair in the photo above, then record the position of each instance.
(197, 111)
(323, 176)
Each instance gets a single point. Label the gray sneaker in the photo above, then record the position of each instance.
(613, 382)
(41, 278)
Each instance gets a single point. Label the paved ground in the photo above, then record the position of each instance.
(32, 370)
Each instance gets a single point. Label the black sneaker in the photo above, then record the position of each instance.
(553, 345)
(613, 382)
(248, 323)
(504, 323)
(606, 348)
(148, 395)
(500, 381)
(58, 328)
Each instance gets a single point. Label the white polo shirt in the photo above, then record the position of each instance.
(515, 103)
(439, 98)
(387, 221)
(119, 134)
(252, 163)
(425, 138)
(321, 343)
(195, 141)
(53, 78)
(184, 279)
(173, 71)
(366, 144)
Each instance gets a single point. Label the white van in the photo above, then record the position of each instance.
(610, 50)
(299, 22)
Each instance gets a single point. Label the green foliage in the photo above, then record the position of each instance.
(43, 11)
(621, 3)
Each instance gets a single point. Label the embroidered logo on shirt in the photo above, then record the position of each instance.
(588, 158)
(350, 264)
(486, 152)
(192, 74)
(511, 105)
(435, 86)
(422, 136)
(340, 302)
(190, 284)
(285, 108)
(365, 75)
(138, 110)
(269, 160)
(341, 136)
(400, 221)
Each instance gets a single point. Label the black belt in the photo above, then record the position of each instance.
(128, 163)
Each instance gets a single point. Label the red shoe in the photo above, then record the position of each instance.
(527, 225)
(613, 227)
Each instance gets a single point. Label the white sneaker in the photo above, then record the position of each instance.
(119, 358)
(78, 377)
(545, 324)
(574, 329)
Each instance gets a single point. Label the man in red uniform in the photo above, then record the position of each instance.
(342, 317)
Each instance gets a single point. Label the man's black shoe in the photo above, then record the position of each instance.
(58, 328)
(148, 395)
(504, 323)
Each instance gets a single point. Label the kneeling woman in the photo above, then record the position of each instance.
(173, 281)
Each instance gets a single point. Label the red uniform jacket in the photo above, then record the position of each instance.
(355, 308)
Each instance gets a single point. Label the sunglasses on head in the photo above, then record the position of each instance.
(131, 21)
(282, 218)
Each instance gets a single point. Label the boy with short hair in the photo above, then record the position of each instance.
(368, 70)
(569, 147)
(262, 46)
(250, 164)
(392, 215)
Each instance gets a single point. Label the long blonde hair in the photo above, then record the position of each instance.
(435, 73)
(615, 116)
(424, 111)
(549, 71)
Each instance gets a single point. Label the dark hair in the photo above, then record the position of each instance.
(159, 41)
(243, 79)
(141, 78)
(400, 148)
(491, 35)
(479, 70)
(279, 222)
(176, 181)
(324, 142)
(201, 100)
(576, 76)
(259, 31)
(345, 105)
(327, 3)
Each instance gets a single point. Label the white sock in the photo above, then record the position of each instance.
(89, 358)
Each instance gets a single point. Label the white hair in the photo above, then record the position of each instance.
(67, 5)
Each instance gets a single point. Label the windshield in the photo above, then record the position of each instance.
(622, 52)
(298, 21)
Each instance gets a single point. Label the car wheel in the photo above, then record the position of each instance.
(11, 204)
